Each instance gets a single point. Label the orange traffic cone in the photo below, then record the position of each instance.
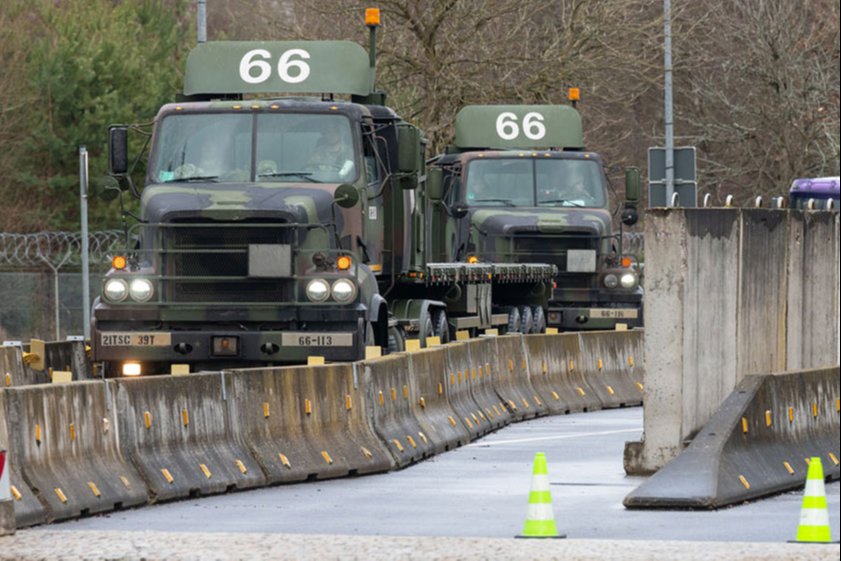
(540, 518)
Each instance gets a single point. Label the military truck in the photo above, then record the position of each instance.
(274, 226)
(519, 186)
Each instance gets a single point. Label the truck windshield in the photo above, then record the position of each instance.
(535, 183)
(223, 147)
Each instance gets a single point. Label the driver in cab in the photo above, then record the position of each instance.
(332, 154)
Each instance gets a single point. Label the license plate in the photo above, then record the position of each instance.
(136, 339)
(292, 339)
(614, 313)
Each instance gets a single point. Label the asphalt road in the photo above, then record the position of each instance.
(480, 490)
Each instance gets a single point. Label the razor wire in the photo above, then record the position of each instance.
(56, 249)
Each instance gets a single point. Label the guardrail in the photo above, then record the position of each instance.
(93, 446)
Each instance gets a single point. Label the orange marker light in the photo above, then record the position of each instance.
(343, 263)
(574, 94)
(626, 262)
(472, 259)
(372, 16)
(119, 262)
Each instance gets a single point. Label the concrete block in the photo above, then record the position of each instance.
(511, 379)
(605, 361)
(556, 373)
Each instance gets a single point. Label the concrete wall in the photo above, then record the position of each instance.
(729, 292)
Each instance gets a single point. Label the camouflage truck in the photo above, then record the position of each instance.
(518, 186)
(274, 227)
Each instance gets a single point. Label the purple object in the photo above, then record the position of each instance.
(819, 189)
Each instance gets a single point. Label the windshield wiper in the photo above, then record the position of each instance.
(506, 202)
(562, 201)
(193, 178)
(302, 174)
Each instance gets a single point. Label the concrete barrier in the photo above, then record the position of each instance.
(556, 373)
(756, 444)
(176, 431)
(27, 510)
(481, 354)
(13, 371)
(457, 387)
(306, 422)
(511, 379)
(69, 356)
(394, 399)
(610, 367)
(438, 419)
(66, 446)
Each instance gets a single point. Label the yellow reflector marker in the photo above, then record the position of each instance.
(179, 369)
(511, 365)
(791, 414)
(393, 394)
(185, 417)
(405, 392)
(459, 377)
(126, 483)
(744, 481)
(422, 403)
(411, 441)
(266, 412)
(837, 404)
(94, 489)
(640, 386)
(788, 467)
(326, 457)
(475, 418)
(205, 471)
(523, 365)
(768, 418)
(380, 397)
(544, 367)
(526, 403)
(61, 376)
(807, 460)
(599, 364)
(744, 425)
(8, 379)
(452, 421)
(512, 405)
(348, 402)
(315, 361)
(397, 445)
(453, 378)
(631, 361)
(555, 396)
(72, 432)
(538, 401)
(147, 418)
(38, 433)
(433, 341)
(373, 352)
(496, 411)
(60, 494)
(367, 453)
(610, 390)
(423, 437)
(413, 345)
(580, 392)
(468, 423)
(814, 409)
(241, 467)
(284, 460)
(489, 412)
(833, 458)
(440, 389)
(307, 407)
(473, 373)
(571, 365)
(462, 335)
(15, 493)
(551, 331)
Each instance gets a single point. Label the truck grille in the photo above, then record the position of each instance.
(209, 263)
(551, 249)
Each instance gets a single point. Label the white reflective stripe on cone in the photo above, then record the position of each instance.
(540, 511)
(814, 488)
(540, 483)
(814, 517)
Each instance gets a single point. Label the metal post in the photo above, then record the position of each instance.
(86, 279)
(667, 110)
(201, 21)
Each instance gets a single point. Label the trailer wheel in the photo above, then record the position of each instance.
(526, 320)
(396, 340)
(538, 319)
(513, 320)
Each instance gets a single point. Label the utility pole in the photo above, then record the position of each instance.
(667, 110)
(86, 279)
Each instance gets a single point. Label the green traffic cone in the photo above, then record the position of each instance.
(540, 518)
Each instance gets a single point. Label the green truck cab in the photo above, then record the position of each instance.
(519, 186)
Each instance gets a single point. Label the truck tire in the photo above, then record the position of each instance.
(526, 320)
(396, 340)
(441, 327)
(513, 320)
(538, 319)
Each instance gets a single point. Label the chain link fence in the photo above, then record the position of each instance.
(41, 281)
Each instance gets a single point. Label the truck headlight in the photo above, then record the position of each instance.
(628, 280)
(343, 291)
(318, 290)
(611, 281)
(115, 290)
(141, 290)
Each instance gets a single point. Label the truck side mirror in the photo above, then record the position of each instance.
(346, 195)
(435, 184)
(460, 210)
(118, 150)
(632, 185)
(408, 148)
(630, 216)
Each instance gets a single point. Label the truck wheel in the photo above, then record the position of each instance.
(427, 330)
(538, 319)
(526, 320)
(441, 325)
(396, 340)
(513, 320)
